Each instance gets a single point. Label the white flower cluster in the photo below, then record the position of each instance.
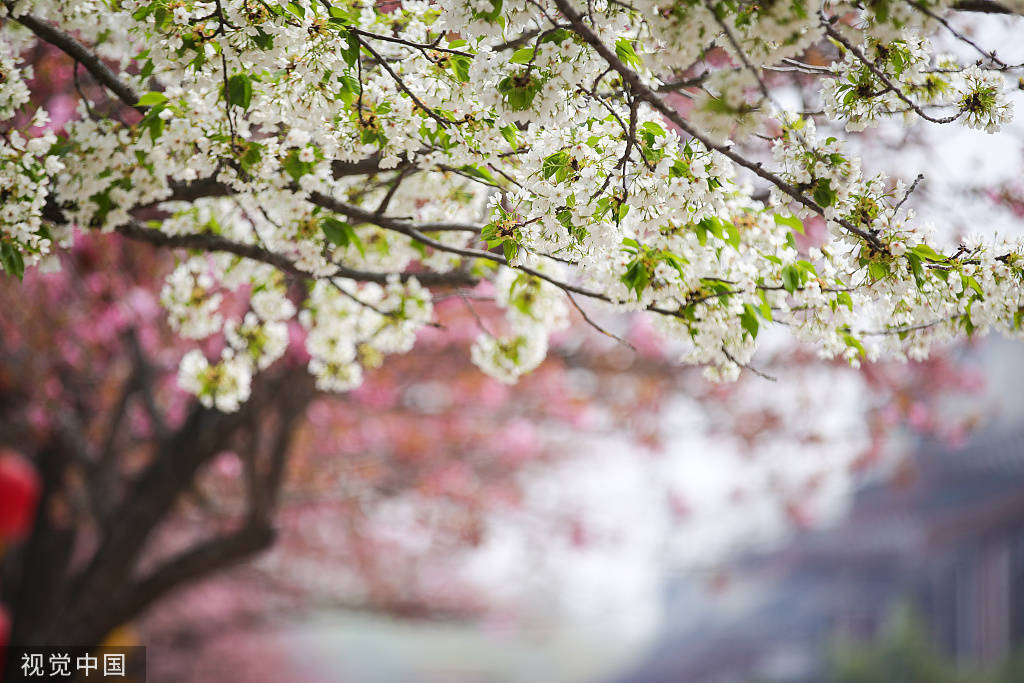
(326, 158)
(899, 77)
(983, 100)
(192, 303)
(350, 326)
(26, 167)
(224, 385)
(861, 98)
(535, 309)
(13, 90)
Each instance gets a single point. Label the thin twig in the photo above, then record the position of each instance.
(746, 366)
(597, 327)
(910, 191)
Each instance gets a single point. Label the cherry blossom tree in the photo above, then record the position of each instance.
(371, 152)
(339, 180)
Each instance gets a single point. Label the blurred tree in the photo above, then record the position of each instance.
(903, 652)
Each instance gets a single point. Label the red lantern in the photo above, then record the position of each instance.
(19, 491)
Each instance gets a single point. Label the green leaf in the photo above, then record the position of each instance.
(520, 89)
(702, 233)
(877, 270)
(764, 308)
(973, 284)
(510, 249)
(556, 165)
(791, 222)
(915, 267)
(965, 319)
(239, 91)
(478, 172)
(341, 234)
(791, 278)
(294, 167)
(152, 121)
(523, 55)
(807, 267)
(652, 127)
(676, 262)
(853, 342)
(460, 67)
(251, 156)
(337, 12)
(11, 260)
(263, 40)
(625, 52)
(559, 35)
(845, 299)
(732, 235)
(151, 98)
(636, 277)
(350, 53)
(492, 15)
(823, 192)
(348, 88)
(509, 133)
(926, 252)
(749, 320)
(565, 218)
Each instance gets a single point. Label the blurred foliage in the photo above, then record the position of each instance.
(903, 653)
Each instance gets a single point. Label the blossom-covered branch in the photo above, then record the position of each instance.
(538, 149)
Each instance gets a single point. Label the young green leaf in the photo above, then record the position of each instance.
(239, 91)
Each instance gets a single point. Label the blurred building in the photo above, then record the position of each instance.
(947, 536)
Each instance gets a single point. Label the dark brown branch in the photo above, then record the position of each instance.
(413, 230)
(675, 86)
(210, 243)
(981, 6)
(196, 563)
(422, 47)
(441, 121)
(146, 381)
(291, 408)
(93, 64)
(203, 434)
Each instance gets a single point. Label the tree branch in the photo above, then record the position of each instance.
(197, 562)
(80, 53)
(208, 242)
(982, 6)
(632, 79)
(880, 75)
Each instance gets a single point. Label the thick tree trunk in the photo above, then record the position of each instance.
(53, 606)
